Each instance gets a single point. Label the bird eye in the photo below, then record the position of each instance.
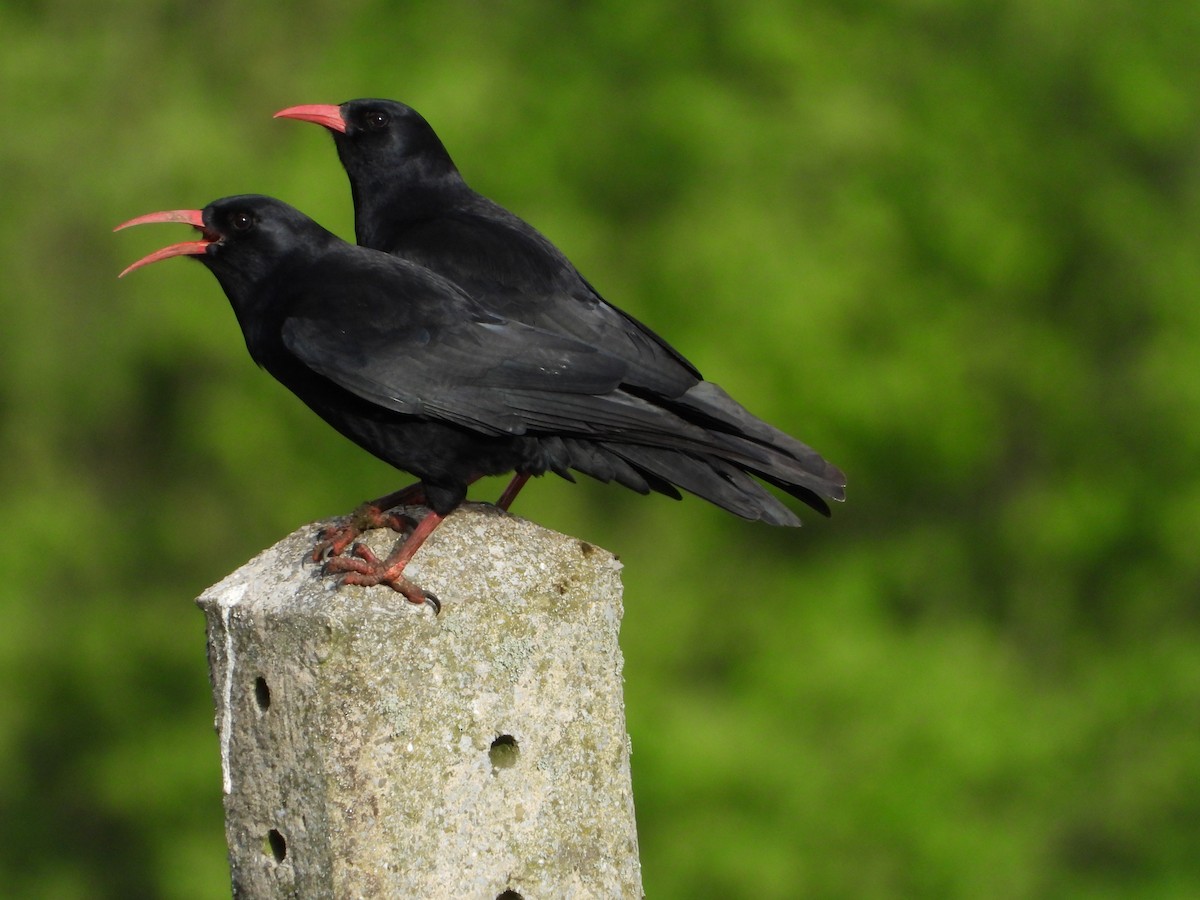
(241, 221)
(376, 121)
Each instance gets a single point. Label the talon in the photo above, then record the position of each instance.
(334, 539)
(412, 593)
(362, 567)
(363, 575)
(329, 542)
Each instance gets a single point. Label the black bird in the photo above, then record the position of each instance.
(406, 364)
(411, 201)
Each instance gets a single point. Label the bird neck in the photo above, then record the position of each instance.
(385, 208)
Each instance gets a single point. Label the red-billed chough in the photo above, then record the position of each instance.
(411, 201)
(413, 369)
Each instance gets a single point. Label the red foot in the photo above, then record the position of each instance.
(335, 539)
(366, 569)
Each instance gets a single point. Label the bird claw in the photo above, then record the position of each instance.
(366, 569)
(362, 561)
(334, 539)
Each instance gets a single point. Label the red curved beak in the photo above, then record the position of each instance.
(191, 217)
(321, 113)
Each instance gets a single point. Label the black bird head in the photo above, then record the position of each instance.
(397, 165)
(247, 234)
(375, 138)
(243, 240)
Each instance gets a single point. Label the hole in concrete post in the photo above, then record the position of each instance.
(262, 693)
(510, 895)
(276, 845)
(503, 752)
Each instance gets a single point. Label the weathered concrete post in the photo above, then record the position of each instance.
(370, 749)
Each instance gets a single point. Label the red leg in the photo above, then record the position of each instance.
(367, 569)
(334, 539)
(413, 495)
(510, 492)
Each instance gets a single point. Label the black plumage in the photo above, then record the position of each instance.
(412, 368)
(411, 201)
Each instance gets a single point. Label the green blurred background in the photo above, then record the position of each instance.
(954, 245)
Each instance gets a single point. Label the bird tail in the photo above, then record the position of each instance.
(716, 480)
(708, 405)
(714, 459)
(645, 468)
(703, 442)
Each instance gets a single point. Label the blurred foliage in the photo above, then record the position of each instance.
(954, 245)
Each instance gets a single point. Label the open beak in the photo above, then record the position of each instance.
(321, 113)
(191, 217)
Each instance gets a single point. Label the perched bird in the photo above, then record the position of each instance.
(411, 201)
(413, 369)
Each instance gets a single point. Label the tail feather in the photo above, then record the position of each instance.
(804, 495)
(602, 463)
(707, 444)
(708, 405)
(713, 479)
(777, 467)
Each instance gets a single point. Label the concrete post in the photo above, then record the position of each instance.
(370, 749)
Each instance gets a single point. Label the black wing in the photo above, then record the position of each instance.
(410, 341)
(513, 269)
